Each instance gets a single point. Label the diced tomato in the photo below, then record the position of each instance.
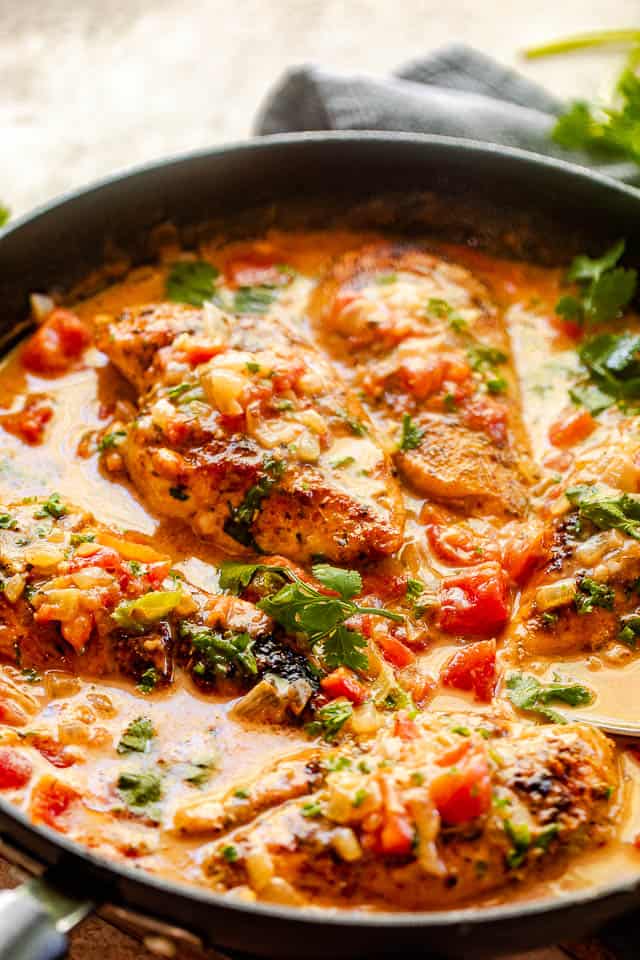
(51, 799)
(15, 769)
(424, 375)
(197, 352)
(256, 267)
(454, 753)
(56, 344)
(459, 545)
(29, 423)
(474, 602)
(393, 649)
(522, 550)
(95, 555)
(344, 683)
(463, 792)
(572, 426)
(566, 328)
(51, 750)
(421, 687)
(397, 833)
(473, 668)
(558, 460)
(385, 586)
(405, 727)
(483, 413)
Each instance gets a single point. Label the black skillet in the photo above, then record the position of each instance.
(506, 199)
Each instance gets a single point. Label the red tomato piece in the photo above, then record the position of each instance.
(397, 833)
(51, 799)
(473, 668)
(459, 545)
(483, 413)
(393, 649)
(572, 426)
(56, 344)
(28, 424)
(463, 792)
(52, 750)
(105, 557)
(15, 769)
(405, 727)
(522, 550)
(198, 352)
(474, 602)
(256, 268)
(344, 683)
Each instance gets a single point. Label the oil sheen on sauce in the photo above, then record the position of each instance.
(187, 723)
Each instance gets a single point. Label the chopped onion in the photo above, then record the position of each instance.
(554, 595)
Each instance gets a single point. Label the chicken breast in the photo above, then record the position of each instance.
(430, 353)
(251, 437)
(79, 597)
(583, 597)
(430, 813)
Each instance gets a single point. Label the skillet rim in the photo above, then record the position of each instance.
(469, 918)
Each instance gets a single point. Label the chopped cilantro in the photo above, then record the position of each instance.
(139, 789)
(497, 385)
(412, 434)
(593, 594)
(52, 507)
(218, 654)
(481, 356)
(330, 719)
(355, 425)
(630, 630)
(192, 281)
(7, 522)
(604, 288)
(148, 680)
(344, 462)
(359, 797)
(607, 512)
(612, 362)
(241, 518)
(253, 300)
(230, 853)
(527, 693)
(137, 737)
(311, 809)
(111, 440)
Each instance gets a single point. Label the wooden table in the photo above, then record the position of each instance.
(91, 86)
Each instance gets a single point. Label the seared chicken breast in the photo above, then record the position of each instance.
(431, 356)
(251, 437)
(430, 813)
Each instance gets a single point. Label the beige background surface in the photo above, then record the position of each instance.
(88, 87)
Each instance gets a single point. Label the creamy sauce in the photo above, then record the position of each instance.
(189, 723)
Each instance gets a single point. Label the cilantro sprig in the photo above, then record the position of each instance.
(607, 512)
(301, 608)
(330, 719)
(412, 434)
(604, 289)
(527, 693)
(612, 362)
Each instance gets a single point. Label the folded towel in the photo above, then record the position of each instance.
(456, 92)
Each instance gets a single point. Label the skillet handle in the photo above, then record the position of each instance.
(27, 929)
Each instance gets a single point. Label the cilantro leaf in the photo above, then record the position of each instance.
(299, 607)
(192, 281)
(612, 361)
(5, 213)
(482, 356)
(217, 653)
(254, 300)
(241, 518)
(527, 693)
(111, 440)
(330, 719)
(345, 646)
(137, 736)
(139, 789)
(347, 583)
(412, 434)
(148, 680)
(591, 594)
(604, 288)
(52, 507)
(605, 511)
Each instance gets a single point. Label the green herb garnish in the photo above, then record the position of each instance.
(192, 281)
(241, 518)
(254, 300)
(527, 693)
(136, 616)
(604, 288)
(412, 434)
(111, 440)
(217, 653)
(148, 680)
(52, 507)
(607, 512)
(137, 737)
(591, 594)
(139, 789)
(330, 719)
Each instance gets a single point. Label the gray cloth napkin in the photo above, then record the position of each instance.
(456, 92)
